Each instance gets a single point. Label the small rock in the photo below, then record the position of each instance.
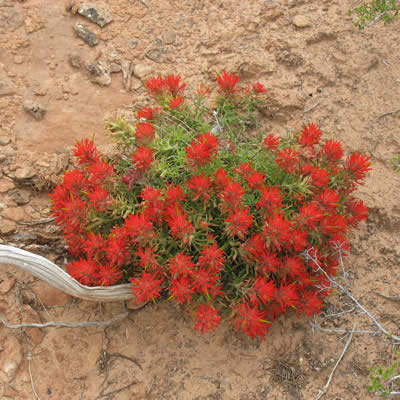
(20, 196)
(4, 140)
(11, 357)
(95, 14)
(40, 91)
(6, 185)
(114, 68)
(136, 84)
(133, 43)
(7, 227)
(301, 21)
(50, 296)
(24, 173)
(7, 285)
(35, 109)
(86, 35)
(141, 70)
(18, 59)
(131, 304)
(15, 214)
(6, 89)
(100, 73)
(127, 70)
(169, 37)
(156, 54)
(74, 60)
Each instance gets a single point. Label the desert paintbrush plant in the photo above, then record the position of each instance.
(201, 205)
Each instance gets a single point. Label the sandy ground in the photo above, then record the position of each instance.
(318, 68)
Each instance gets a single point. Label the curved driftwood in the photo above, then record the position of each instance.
(58, 278)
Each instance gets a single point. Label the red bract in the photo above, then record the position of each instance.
(358, 165)
(139, 229)
(147, 287)
(232, 196)
(311, 304)
(174, 85)
(277, 230)
(147, 114)
(75, 181)
(181, 265)
(117, 253)
(255, 180)
(221, 178)
(152, 204)
(212, 258)
(258, 88)
(142, 158)
(147, 259)
(205, 282)
(239, 222)
(288, 160)
(358, 212)
(328, 199)
(176, 102)
(99, 198)
(155, 86)
(86, 152)
(180, 227)
(286, 296)
(310, 136)
(227, 83)
(202, 150)
(108, 274)
(101, 173)
(251, 320)
(207, 318)
(271, 142)
(319, 177)
(309, 215)
(181, 289)
(173, 195)
(95, 247)
(332, 151)
(200, 187)
(83, 271)
(262, 290)
(270, 201)
(144, 133)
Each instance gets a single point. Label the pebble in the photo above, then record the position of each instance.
(4, 140)
(20, 196)
(11, 358)
(35, 109)
(100, 73)
(156, 54)
(301, 21)
(95, 14)
(169, 37)
(40, 91)
(14, 214)
(7, 227)
(6, 89)
(24, 173)
(75, 60)
(6, 185)
(133, 44)
(86, 35)
(7, 285)
(142, 70)
(18, 59)
(114, 68)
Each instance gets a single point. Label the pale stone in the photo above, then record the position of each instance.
(301, 21)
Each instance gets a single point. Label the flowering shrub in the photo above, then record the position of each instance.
(201, 204)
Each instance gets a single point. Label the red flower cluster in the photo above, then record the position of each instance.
(224, 229)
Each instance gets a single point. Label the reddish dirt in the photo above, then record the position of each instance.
(328, 72)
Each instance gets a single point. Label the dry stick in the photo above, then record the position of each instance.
(347, 293)
(38, 222)
(394, 298)
(101, 395)
(312, 107)
(314, 325)
(58, 324)
(325, 388)
(388, 113)
(30, 375)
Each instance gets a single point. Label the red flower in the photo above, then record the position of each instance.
(291, 266)
(332, 151)
(258, 88)
(270, 201)
(101, 172)
(147, 287)
(175, 102)
(83, 271)
(212, 258)
(181, 265)
(244, 170)
(181, 289)
(155, 86)
(86, 152)
(320, 177)
(221, 178)
(232, 196)
(100, 198)
(271, 142)
(227, 83)
(328, 199)
(174, 194)
(311, 304)
(139, 229)
(95, 246)
(144, 133)
(255, 180)
(239, 222)
(311, 135)
(251, 320)
(207, 318)
(132, 176)
(147, 259)
(200, 187)
(153, 204)
(202, 91)
(358, 212)
(310, 213)
(74, 181)
(263, 290)
(205, 281)
(117, 253)
(358, 165)
(174, 85)
(332, 224)
(143, 157)
(147, 114)
(277, 230)
(202, 151)
(180, 227)
(286, 296)
(108, 274)
(288, 159)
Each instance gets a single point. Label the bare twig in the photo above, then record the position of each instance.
(307, 255)
(314, 325)
(325, 388)
(388, 113)
(38, 222)
(394, 298)
(312, 107)
(112, 393)
(30, 375)
(58, 324)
